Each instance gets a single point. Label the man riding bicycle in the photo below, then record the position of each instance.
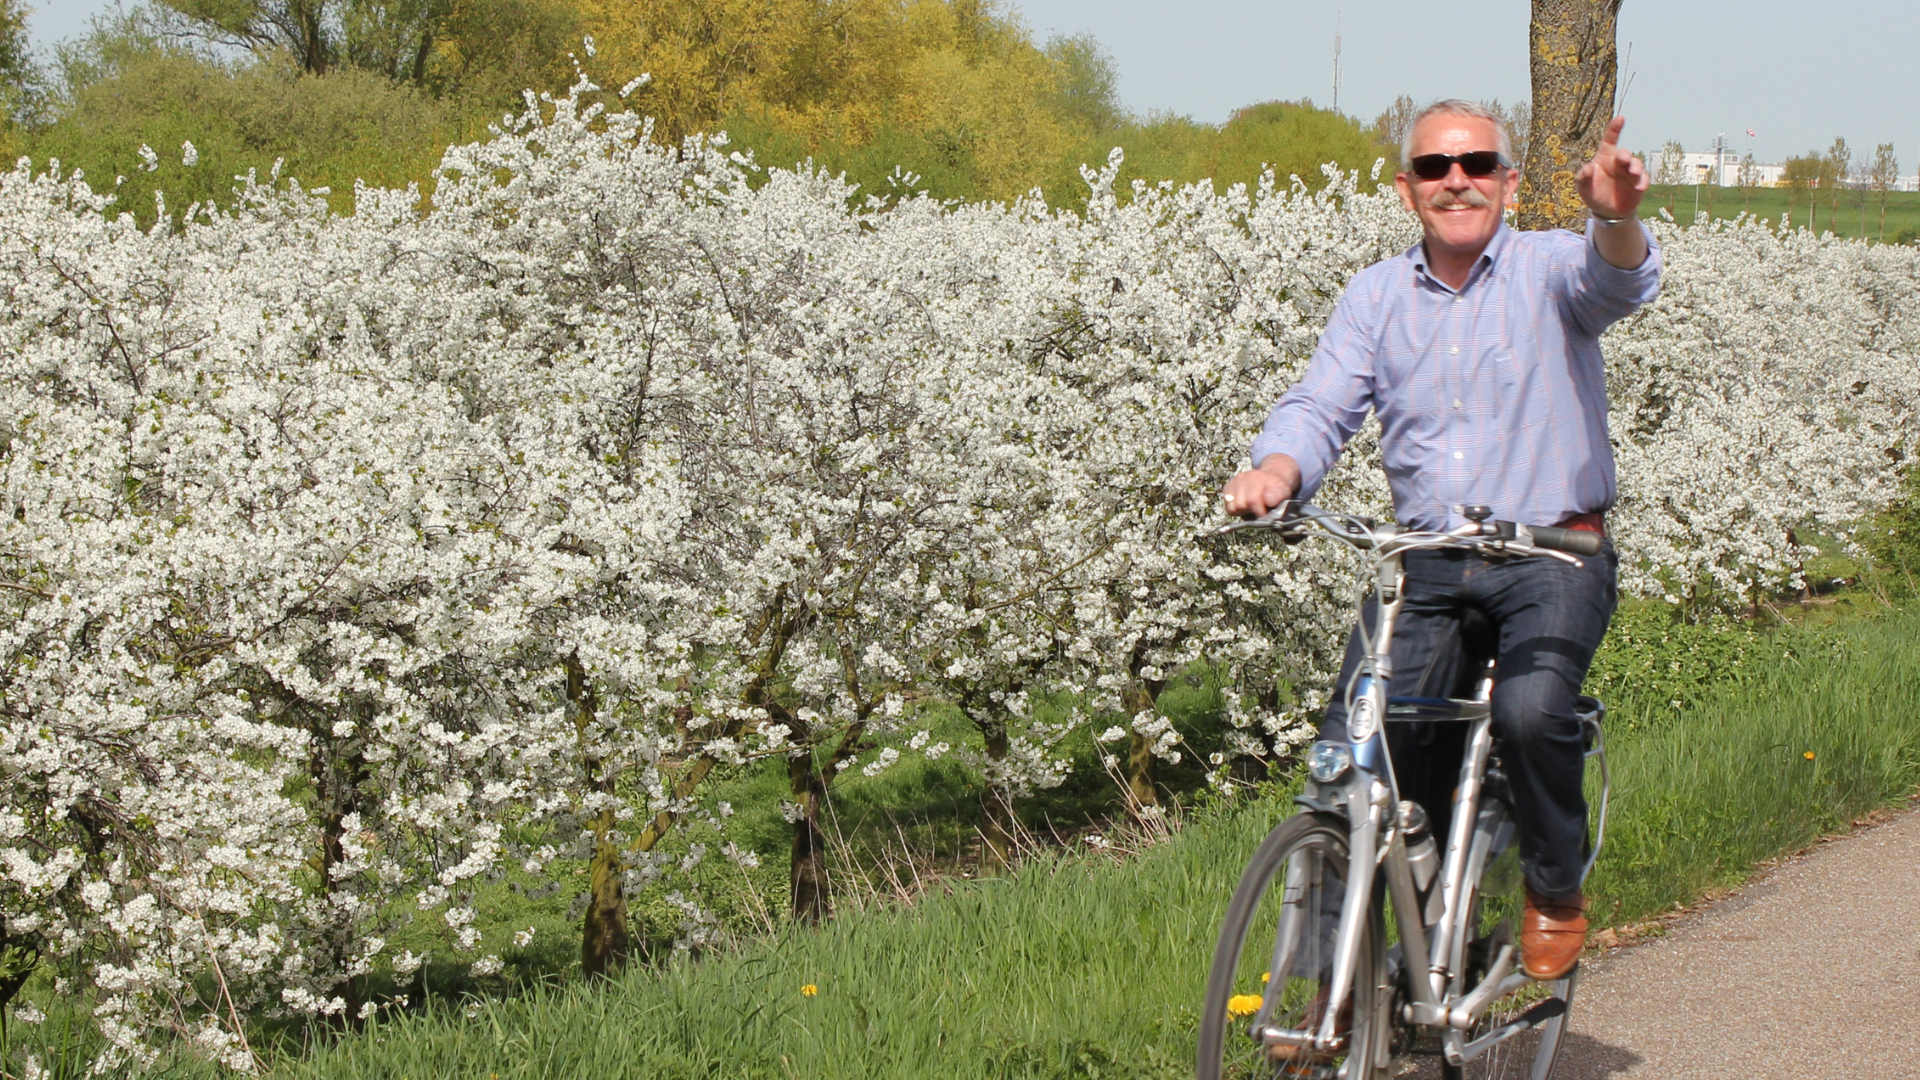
(1479, 350)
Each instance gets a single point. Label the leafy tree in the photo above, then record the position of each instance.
(1672, 168)
(1812, 173)
(307, 31)
(1747, 177)
(20, 76)
(491, 49)
(953, 90)
(1391, 126)
(1518, 120)
(1883, 176)
(1086, 82)
(1293, 138)
(126, 87)
(1839, 167)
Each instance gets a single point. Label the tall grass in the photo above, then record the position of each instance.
(1087, 966)
(1763, 767)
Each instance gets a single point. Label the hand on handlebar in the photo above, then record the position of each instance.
(1256, 492)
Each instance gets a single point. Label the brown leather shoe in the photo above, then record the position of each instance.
(1552, 933)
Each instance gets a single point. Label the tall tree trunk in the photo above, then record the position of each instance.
(1141, 792)
(604, 942)
(807, 867)
(996, 804)
(1575, 66)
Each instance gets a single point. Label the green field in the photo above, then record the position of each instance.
(1086, 966)
(1858, 212)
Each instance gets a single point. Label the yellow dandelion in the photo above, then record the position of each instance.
(1809, 755)
(809, 990)
(1243, 1004)
(1266, 977)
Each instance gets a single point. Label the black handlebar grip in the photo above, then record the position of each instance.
(1571, 541)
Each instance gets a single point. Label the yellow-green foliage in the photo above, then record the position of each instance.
(330, 129)
(953, 91)
(1293, 138)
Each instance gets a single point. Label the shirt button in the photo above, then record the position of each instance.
(1455, 350)
(1456, 403)
(1457, 455)
(1459, 299)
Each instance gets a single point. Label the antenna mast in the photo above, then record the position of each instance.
(1338, 13)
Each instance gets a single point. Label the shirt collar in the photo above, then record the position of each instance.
(1489, 258)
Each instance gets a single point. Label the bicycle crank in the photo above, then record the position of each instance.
(1539, 1014)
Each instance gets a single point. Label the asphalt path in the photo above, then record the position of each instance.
(1813, 971)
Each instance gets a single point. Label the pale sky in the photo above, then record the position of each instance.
(1797, 74)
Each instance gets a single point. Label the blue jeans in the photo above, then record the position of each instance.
(1542, 620)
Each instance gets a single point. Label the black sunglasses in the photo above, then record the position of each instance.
(1475, 163)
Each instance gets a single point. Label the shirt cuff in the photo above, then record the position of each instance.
(1601, 267)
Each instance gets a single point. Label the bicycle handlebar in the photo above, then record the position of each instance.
(1571, 541)
(1293, 520)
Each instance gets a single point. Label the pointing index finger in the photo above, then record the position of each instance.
(1610, 141)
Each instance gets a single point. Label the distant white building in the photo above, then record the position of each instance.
(1723, 170)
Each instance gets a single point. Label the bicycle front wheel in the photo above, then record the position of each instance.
(1273, 966)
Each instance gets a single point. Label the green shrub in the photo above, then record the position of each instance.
(329, 130)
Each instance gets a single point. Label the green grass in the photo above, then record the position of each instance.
(1765, 767)
(1090, 967)
(1080, 967)
(1858, 214)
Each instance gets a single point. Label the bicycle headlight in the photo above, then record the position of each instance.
(1328, 761)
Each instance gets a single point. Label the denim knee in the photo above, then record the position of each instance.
(1533, 713)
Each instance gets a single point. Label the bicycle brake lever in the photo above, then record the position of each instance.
(1275, 519)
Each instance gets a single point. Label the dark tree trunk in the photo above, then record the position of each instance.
(1141, 790)
(604, 943)
(1247, 769)
(1575, 66)
(996, 805)
(807, 866)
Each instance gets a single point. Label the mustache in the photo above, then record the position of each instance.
(1447, 200)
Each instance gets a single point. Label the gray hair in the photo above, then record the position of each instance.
(1456, 107)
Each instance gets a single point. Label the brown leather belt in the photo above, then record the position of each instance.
(1592, 523)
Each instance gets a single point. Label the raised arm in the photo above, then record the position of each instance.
(1611, 185)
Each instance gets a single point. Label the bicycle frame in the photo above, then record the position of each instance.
(1368, 795)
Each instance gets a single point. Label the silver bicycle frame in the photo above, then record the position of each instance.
(1436, 956)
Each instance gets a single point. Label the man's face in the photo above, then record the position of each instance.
(1460, 213)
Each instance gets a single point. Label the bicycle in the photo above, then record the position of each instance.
(1326, 996)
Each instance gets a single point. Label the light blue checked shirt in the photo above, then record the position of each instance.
(1495, 394)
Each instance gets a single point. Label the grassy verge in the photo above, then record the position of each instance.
(1088, 966)
(1765, 766)
(1846, 213)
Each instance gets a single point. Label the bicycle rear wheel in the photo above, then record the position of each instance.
(1273, 964)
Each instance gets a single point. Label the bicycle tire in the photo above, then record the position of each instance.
(1533, 1054)
(1250, 944)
